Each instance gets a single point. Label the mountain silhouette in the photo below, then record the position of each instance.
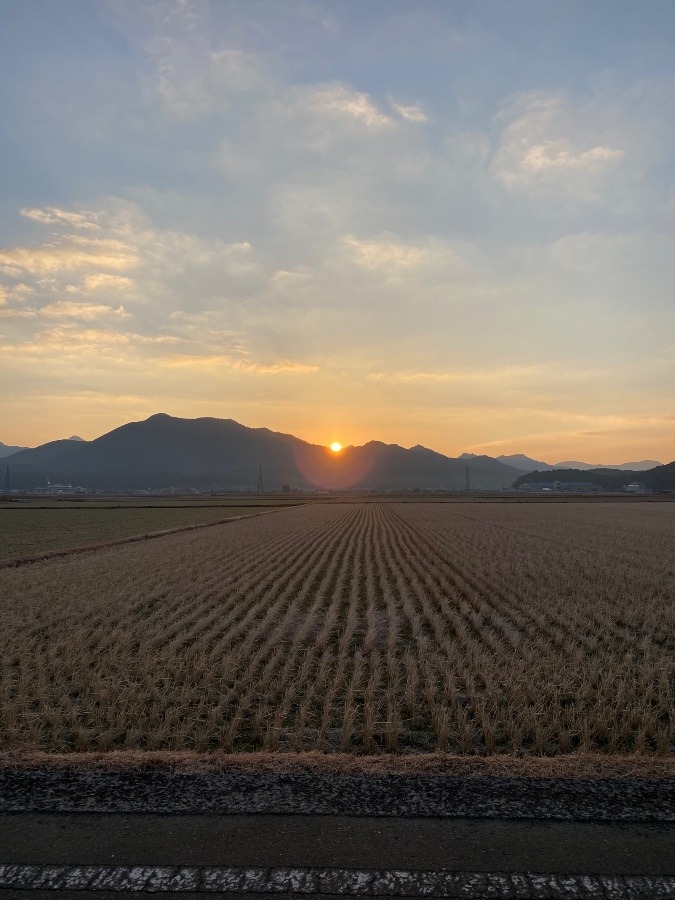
(528, 464)
(165, 451)
(7, 450)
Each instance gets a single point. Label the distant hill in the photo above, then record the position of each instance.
(220, 453)
(659, 478)
(519, 461)
(608, 479)
(6, 450)
(640, 466)
(527, 464)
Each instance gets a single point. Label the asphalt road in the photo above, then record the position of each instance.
(469, 845)
(59, 838)
(282, 850)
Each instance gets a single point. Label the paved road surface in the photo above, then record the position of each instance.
(64, 854)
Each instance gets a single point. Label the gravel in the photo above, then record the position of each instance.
(620, 799)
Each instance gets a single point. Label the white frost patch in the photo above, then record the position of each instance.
(236, 879)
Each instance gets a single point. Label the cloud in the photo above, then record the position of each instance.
(548, 146)
(535, 377)
(481, 376)
(248, 367)
(195, 76)
(186, 291)
(13, 294)
(8, 313)
(337, 100)
(302, 135)
(68, 254)
(560, 155)
(390, 252)
(428, 262)
(74, 340)
(292, 280)
(128, 245)
(98, 280)
(197, 81)
(409, 113)
(66, 309)
(51, 215)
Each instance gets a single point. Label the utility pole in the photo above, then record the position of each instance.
(467, 484)
(260, 481)
(5, 494)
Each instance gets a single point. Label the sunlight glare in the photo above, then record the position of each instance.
(336, 446)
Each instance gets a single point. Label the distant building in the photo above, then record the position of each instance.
(60, 489)
(539, 486)
(636, 487)
(285, 488)
(562, 487)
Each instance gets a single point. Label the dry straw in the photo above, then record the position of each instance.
(480, 630)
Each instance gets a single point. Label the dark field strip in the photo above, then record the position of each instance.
(355, 627)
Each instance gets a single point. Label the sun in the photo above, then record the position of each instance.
(336, 446)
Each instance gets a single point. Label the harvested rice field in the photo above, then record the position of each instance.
(537, 629)
(34, 530)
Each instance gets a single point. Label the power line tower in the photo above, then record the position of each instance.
(467, 483)
(5, 493)
(260, 481)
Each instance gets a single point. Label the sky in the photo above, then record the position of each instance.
(445, 222)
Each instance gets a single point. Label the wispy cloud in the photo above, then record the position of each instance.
(68, 254)
(411, 113)
(338, 101)
(549, 146)
(51, 215)
(246, 366)
(97, 280)
(194, 74)
(66, 309)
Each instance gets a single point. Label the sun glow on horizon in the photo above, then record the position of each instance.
(336, 446)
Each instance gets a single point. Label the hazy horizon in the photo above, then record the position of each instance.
(445, 224)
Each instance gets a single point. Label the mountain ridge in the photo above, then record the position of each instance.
(529, 464)
(9, 450)
(208, 452)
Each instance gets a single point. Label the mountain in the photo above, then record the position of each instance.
(527, 464)
(640, 466)
(6, 450)
(42, 455)
(520, 461)
(220, 453)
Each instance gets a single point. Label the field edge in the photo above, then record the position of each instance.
(573, 766)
